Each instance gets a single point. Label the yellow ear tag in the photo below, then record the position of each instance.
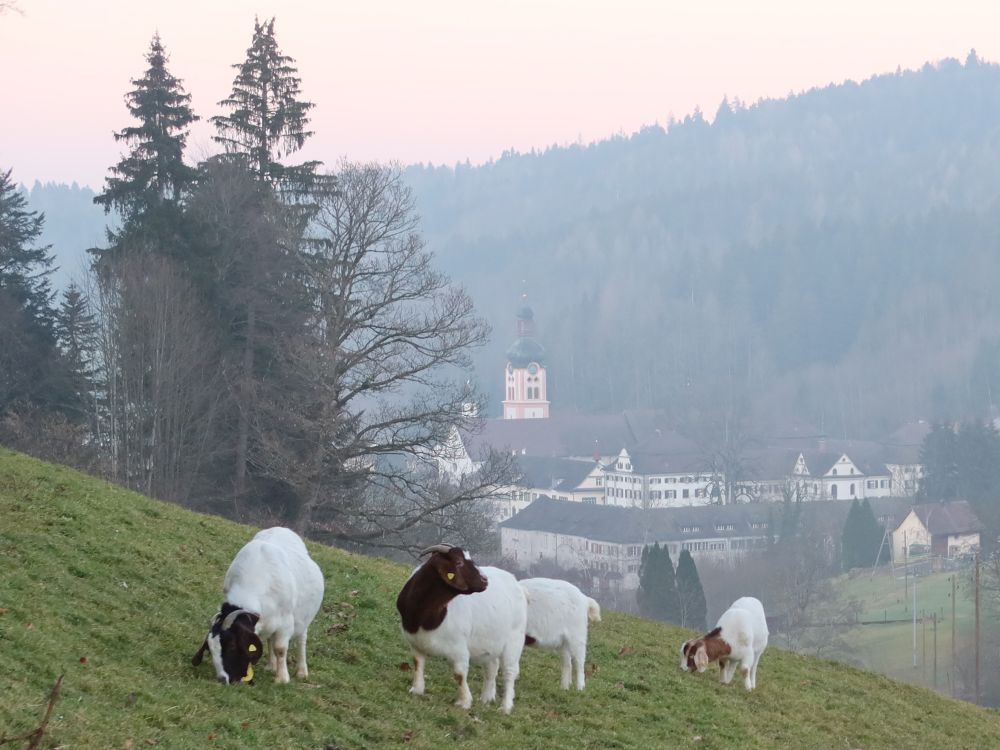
(451, 576)
(249, 674)
(251, 648)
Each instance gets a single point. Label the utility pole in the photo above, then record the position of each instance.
(953, 672)
(923, 646)
(906, 568)
(934, 683)
(914, 622)
(977, 628)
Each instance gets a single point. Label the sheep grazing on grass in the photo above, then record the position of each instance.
(736, 642)
(272, 591)
(558, 615)
(451, 608)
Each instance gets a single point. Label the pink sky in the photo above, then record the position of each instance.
(445, 80)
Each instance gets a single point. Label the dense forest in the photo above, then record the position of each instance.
(827, 258)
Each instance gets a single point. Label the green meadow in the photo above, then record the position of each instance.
(115, 591)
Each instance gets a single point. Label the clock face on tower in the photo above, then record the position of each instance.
(532, 369)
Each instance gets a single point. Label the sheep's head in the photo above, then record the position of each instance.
(233, 644)
(456, 569)
(695, 655)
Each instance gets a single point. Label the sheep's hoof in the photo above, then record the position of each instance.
(414, 690)
(464, 704)
(505, 709)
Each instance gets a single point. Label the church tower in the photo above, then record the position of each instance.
(524, 378)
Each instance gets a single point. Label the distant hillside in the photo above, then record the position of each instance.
(831, 256)
(73, 224)
(116, 591)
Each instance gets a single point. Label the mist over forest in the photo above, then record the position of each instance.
(823, 259)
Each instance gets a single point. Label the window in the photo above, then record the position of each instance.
(833, 491)
(872, 484)
(835, 472)
(725, 527)
(687, 493)
(690, 529)
(758, 524)
(590, 500)
(671, 494)
(852, 489)
(699, 493)
(883, 483)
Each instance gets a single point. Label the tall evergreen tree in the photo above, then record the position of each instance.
(939, 456)
(267, 121)
(871, 533)
(657, 595)
(77, 331)
(849, 538)
(153, 174)
(32, 371)
(690, 594)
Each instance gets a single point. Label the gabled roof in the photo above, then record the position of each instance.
(667, 452)
(543, 473)
(557, 436)
(955, 517)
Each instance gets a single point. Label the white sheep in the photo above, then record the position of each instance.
(272, 591)
(451, 608)
(558, 613)
(737, 641)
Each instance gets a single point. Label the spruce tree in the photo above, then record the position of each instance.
(850, 538)
(153, 174)
(77, 331)
(939, 455)
(657, 593)
(690, 593)
(32, 372)
(267, 121)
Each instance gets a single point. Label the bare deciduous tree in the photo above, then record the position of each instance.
(372, 385)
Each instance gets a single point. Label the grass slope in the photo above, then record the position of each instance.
(116, 590)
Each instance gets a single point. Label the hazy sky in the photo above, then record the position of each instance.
(446, 80)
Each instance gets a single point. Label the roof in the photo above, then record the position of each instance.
(955, 517)
(524, 351)
(610, 523)
(557, 436)
(667, 452)
(544, 473)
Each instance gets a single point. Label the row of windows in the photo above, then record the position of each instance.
(874, 484)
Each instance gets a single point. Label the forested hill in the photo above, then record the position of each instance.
(831, 257)
(73, 224)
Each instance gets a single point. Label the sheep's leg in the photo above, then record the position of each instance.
(747, 682)
(272, 660)
(728, 671)
(511, 669)
(490, 670)
(417, 688)
(461, 672)
(753, 670)
(281, 654)
(567, 668)
(580, 663)
(303, 669)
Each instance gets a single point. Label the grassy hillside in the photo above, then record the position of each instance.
(888, 648)
(116, 590)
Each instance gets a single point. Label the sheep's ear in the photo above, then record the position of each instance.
(701, 658)
(196, 659)
(714, 632)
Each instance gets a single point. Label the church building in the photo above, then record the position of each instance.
(525, 372)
